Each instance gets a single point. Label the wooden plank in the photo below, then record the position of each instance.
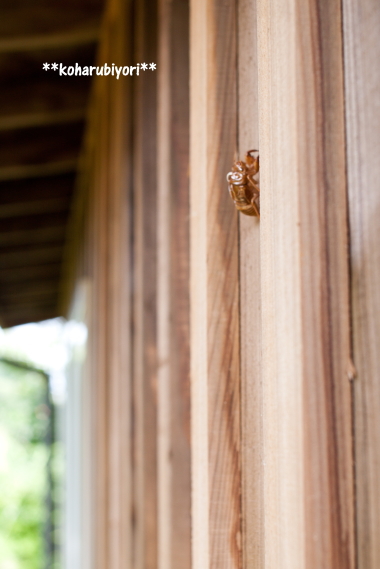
(144, 298)
(49, 234)
(21, 310)
(173, 357)
(164, 392)
(49, 41)
(45, 94)
(24, 250)
(40, 255)
(250, 302)
(19, 172)
(108, 247)
(28, 120)
(26, 314)
(119, 385)
(308, 463)
(24, 309)
(24, 18)
(17, 274)
(37, 189)
(98, 249)
(362, 52)
(31, 285)
(44, 294)
(40, 144)
(215, 374)
(19, 209)
(30, 65)
(32, 222)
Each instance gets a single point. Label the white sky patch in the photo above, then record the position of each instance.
(47, 345)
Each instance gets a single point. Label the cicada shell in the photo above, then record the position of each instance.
(243, 184)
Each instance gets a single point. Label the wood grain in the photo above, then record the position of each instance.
(22, 172)
(101, 246)
(42, 116)
(362, 51)
(27, 120)
(43, 98)
(31, 148)
(119, 353)
(25, 19)
(49, 41)
(308, 463)
(250, 301)
(173, 358)
(145, 290)
(215, 373)
(98, 336)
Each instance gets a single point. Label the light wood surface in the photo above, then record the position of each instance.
(250, 301)
(215, 365)
(221, 344)
(362, 52)
(308, 463)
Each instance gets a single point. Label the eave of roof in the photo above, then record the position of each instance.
(42, 121)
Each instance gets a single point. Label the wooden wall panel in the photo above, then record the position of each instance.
(102, 228)
(119, 293)
(145, 289)
(215, 370)
(308, 463)
(250, 300)
(98, 339)
(362, 74)
(173, 310)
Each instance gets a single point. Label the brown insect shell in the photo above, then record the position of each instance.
(242, 190)
(252, 160)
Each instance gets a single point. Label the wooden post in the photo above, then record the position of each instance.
(173, 303)
(119, 253)
(250, 301)
(102, 238)
(308, 463)
(145, 290)
(215, 369)
(362, 52)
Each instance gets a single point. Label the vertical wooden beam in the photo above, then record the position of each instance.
(119, 294)
(250, 300)
(145, 292)
(362, 74)
(308, 464)
(215, 374)
(173, 312)
(164, 408)
(98, 334)
(103, 225)
(180, 286)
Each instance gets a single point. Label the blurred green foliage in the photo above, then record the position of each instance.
(24, 419)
